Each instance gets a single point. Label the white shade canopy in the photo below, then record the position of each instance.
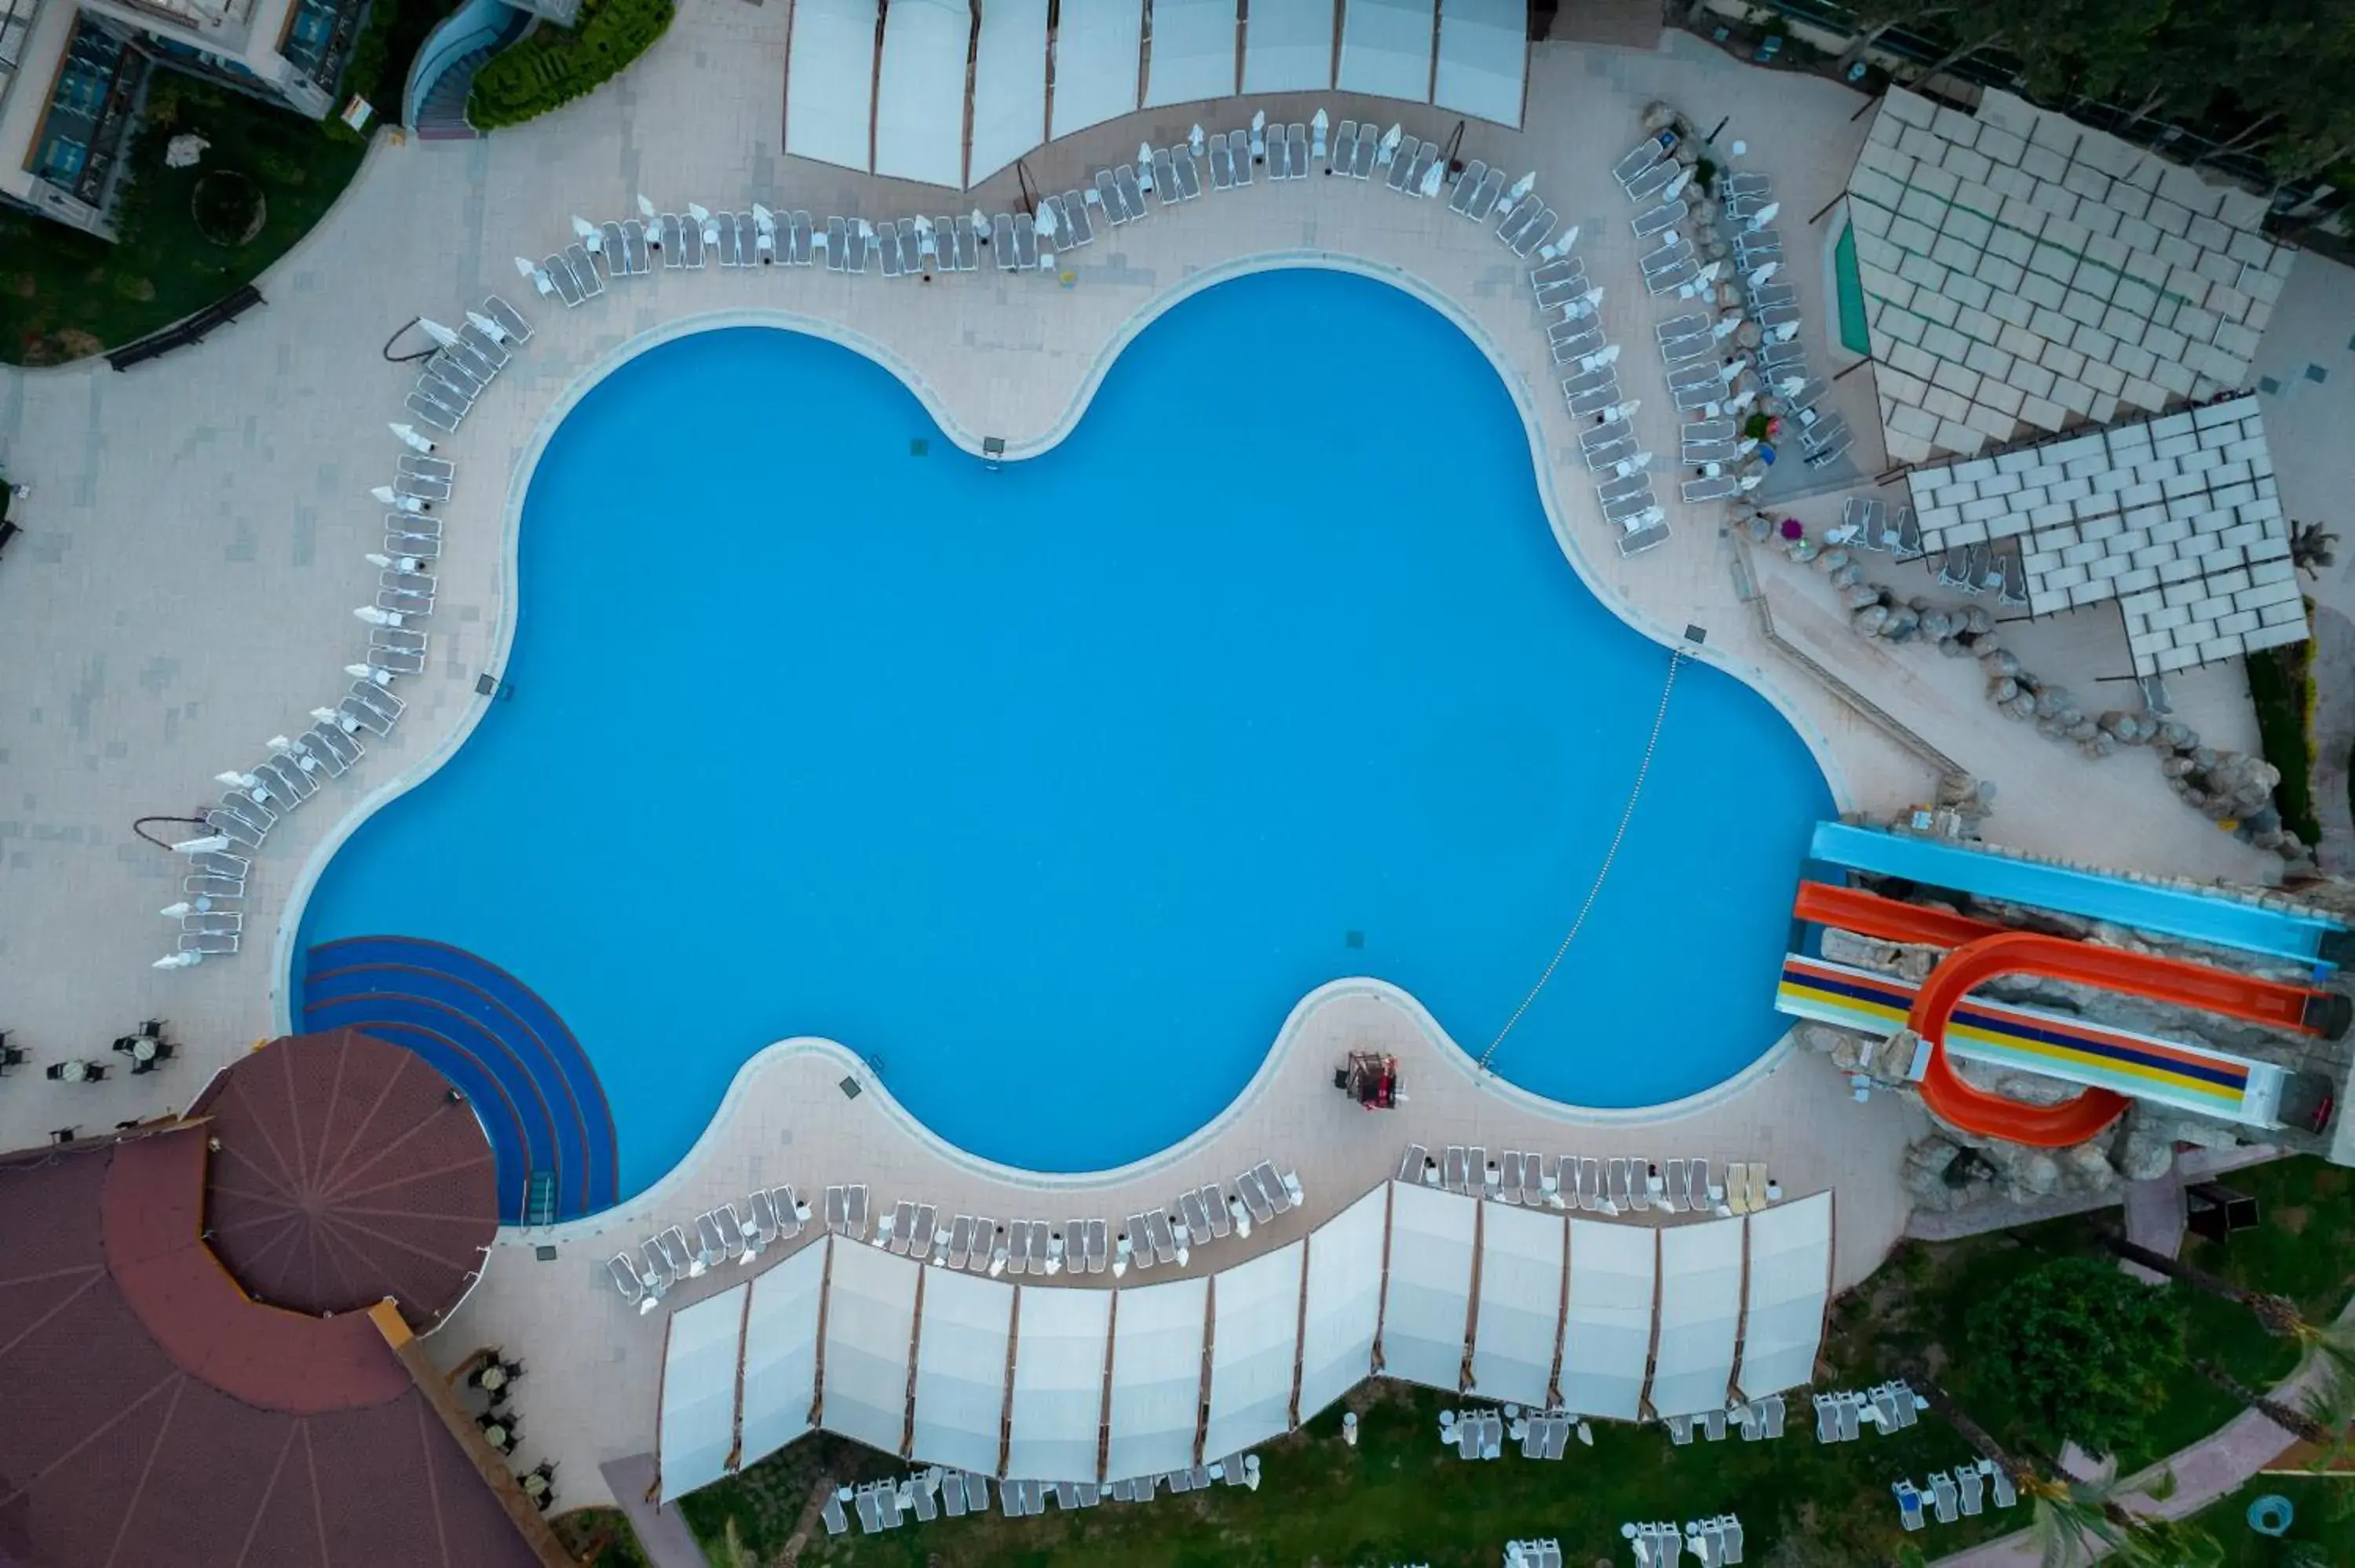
(1288, 46)
(870, 1318)
(695, 1431)
(1157, 1378)
(1519, 1323)
(919, 91)
(1790, 1280)
(1255, 1341)
(961, 1348)
(781, 1355)
(1344, 1301)
(830, 81)
(1607, 1332)
(1701, 1310)
(1096, 49)
(1483, 59)
(1009, 85)
(1427, 1301)
(1385, 47)
(1058, 1384)
(1193, 51)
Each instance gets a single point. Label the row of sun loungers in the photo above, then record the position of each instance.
(1758, 1420)
(1892, 1406)
(738, 1230)
(1593, 1185)
(935, 1492)
(1961, 1493)
(1544, 1553)
(1661, 1543)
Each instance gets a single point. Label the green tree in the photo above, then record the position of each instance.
(2081, 1348)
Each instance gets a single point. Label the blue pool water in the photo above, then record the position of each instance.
(1053, 790)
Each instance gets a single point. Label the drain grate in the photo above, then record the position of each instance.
(849, 1088)
(2267, 385)
(2316, 372)
(1353, 938)
(919, 446)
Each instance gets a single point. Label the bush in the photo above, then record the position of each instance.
(2083, 1350)
(2282, 688)
(553, 66)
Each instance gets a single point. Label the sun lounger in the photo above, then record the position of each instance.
(724, 237)
(1589, 405)
(1222, 164)
(1620, 1195)
(1824, 435)
(1846, 1408)
(1189, 174)
(1710, 487)
(1279, 155)
(1238, 157)
(614, 249)
(1507, 1188)
(1658, 219)
(1568, 296)
(1759, 240)
(633, 248)
(1017, 1248)
(509, 320)
(1468, 186)
(1099, 1247)
(1255, 1200)
(1296, 142)
(1590, 1193)
(1214, 1210)
(218, 862)
(1999, 1483)
(1196, 1216)
(885, 242)
(1026, 242)
(1278, 1189)
(1001, 241)
(1164, 177)
(1424, 156)
(748, 244)
(1624, 511)
(569, 287)
(419, 488)
(1806, 396)
(1157, 1230)
(288, 783)
(334, 749)
(1619, 489)
(1672, 280)
(1576, 345)
(209, 942)
(625, 1275)
(1132, 195)
(838, 245)
(1600, 435)
(1773, 1423)
(585, 272)
(1945, 1496)
(1640, 157)
(212, 923)
(1974, 1489)
(1535, 234)
(1675, 248)
(1545, 275)
(1455, 1178)
(1078, 230)
(1107, 196)
(674, 246)
(796, 243)
(1652, 181)
(1345, 148)
(1362, 161)
(968, 244)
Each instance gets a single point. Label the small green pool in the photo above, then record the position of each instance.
(1850, 285)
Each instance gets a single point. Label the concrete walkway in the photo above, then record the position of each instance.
(662, 1532)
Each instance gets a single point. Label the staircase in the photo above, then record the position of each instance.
(435, 106)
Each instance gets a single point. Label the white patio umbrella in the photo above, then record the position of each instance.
(1645, 519)
(210, 843)
(179, 961)
(1046, 221)
(1193, 140)
(376, 559)
(865, 231)
(1143, 167)
(711, 228)
(1607, 354)
(376, 617)
(238, 780)
(1386, 148)
(412, 439)
(1258, 139)
(1433, 178)
(1519, 188)
(368, 672)
(1725, 329)
(980, 221)
(1747, 445)
(539, 279)
(1789, 385)
(1558, 247)
(1636, 464)
(1731, 370)
(587, 231)
(486, 326)
(1765, 215)
(1743, 401)
(176, 911)
(645, 207)
(1760, 279)
(1676, 187)
(1622, 411)
(283, 747)
(329, 716)
(1754, 482)
(1784, 332)
(436, 330)
(698, 212)
(1320, 122)
(654, 229)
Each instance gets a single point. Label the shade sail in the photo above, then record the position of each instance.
(1058, 1384)
(1426, 1303)
(1344, 1301)
(1097, 44)
(919, 91)
(1607, 1334)
(962, 1342)
(781, 1355)
(1484, 58)
(1009, 85)
(1701, 1310)
(870, 1318)
(697, 1431)
(1385, 48)
(1157, 1378)
(1519, 1323)
(1254, 1346)
(1193, 51)
(830, 81)
(1790, 1278)
(1288, 46)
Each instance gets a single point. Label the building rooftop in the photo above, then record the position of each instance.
(2023, 273)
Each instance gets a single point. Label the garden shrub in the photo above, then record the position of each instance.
(552, 66)
(2082, 1349)
(2282, 688)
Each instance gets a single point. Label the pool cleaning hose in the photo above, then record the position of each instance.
(1643, 771)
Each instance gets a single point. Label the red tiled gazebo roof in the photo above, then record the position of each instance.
(344, 1171)
(153, 1416)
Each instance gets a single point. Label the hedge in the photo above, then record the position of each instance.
(553, 66)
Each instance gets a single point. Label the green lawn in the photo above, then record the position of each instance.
(1399, 1497)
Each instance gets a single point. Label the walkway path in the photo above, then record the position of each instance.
(662, 1532)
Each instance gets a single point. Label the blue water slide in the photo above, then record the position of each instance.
(2192, 915)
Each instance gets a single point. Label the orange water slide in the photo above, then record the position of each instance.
(2272, 1004)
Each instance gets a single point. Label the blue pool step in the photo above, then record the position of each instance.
(533, 1086)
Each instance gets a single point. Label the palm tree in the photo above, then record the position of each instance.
(2276, 1314)
(2075, 1521)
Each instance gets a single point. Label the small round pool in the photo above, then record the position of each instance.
(1052, 789)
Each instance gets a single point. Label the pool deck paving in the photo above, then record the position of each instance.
(193, 547)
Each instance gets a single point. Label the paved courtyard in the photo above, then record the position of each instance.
(194, 545)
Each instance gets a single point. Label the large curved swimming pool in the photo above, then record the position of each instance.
(1053, 790)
